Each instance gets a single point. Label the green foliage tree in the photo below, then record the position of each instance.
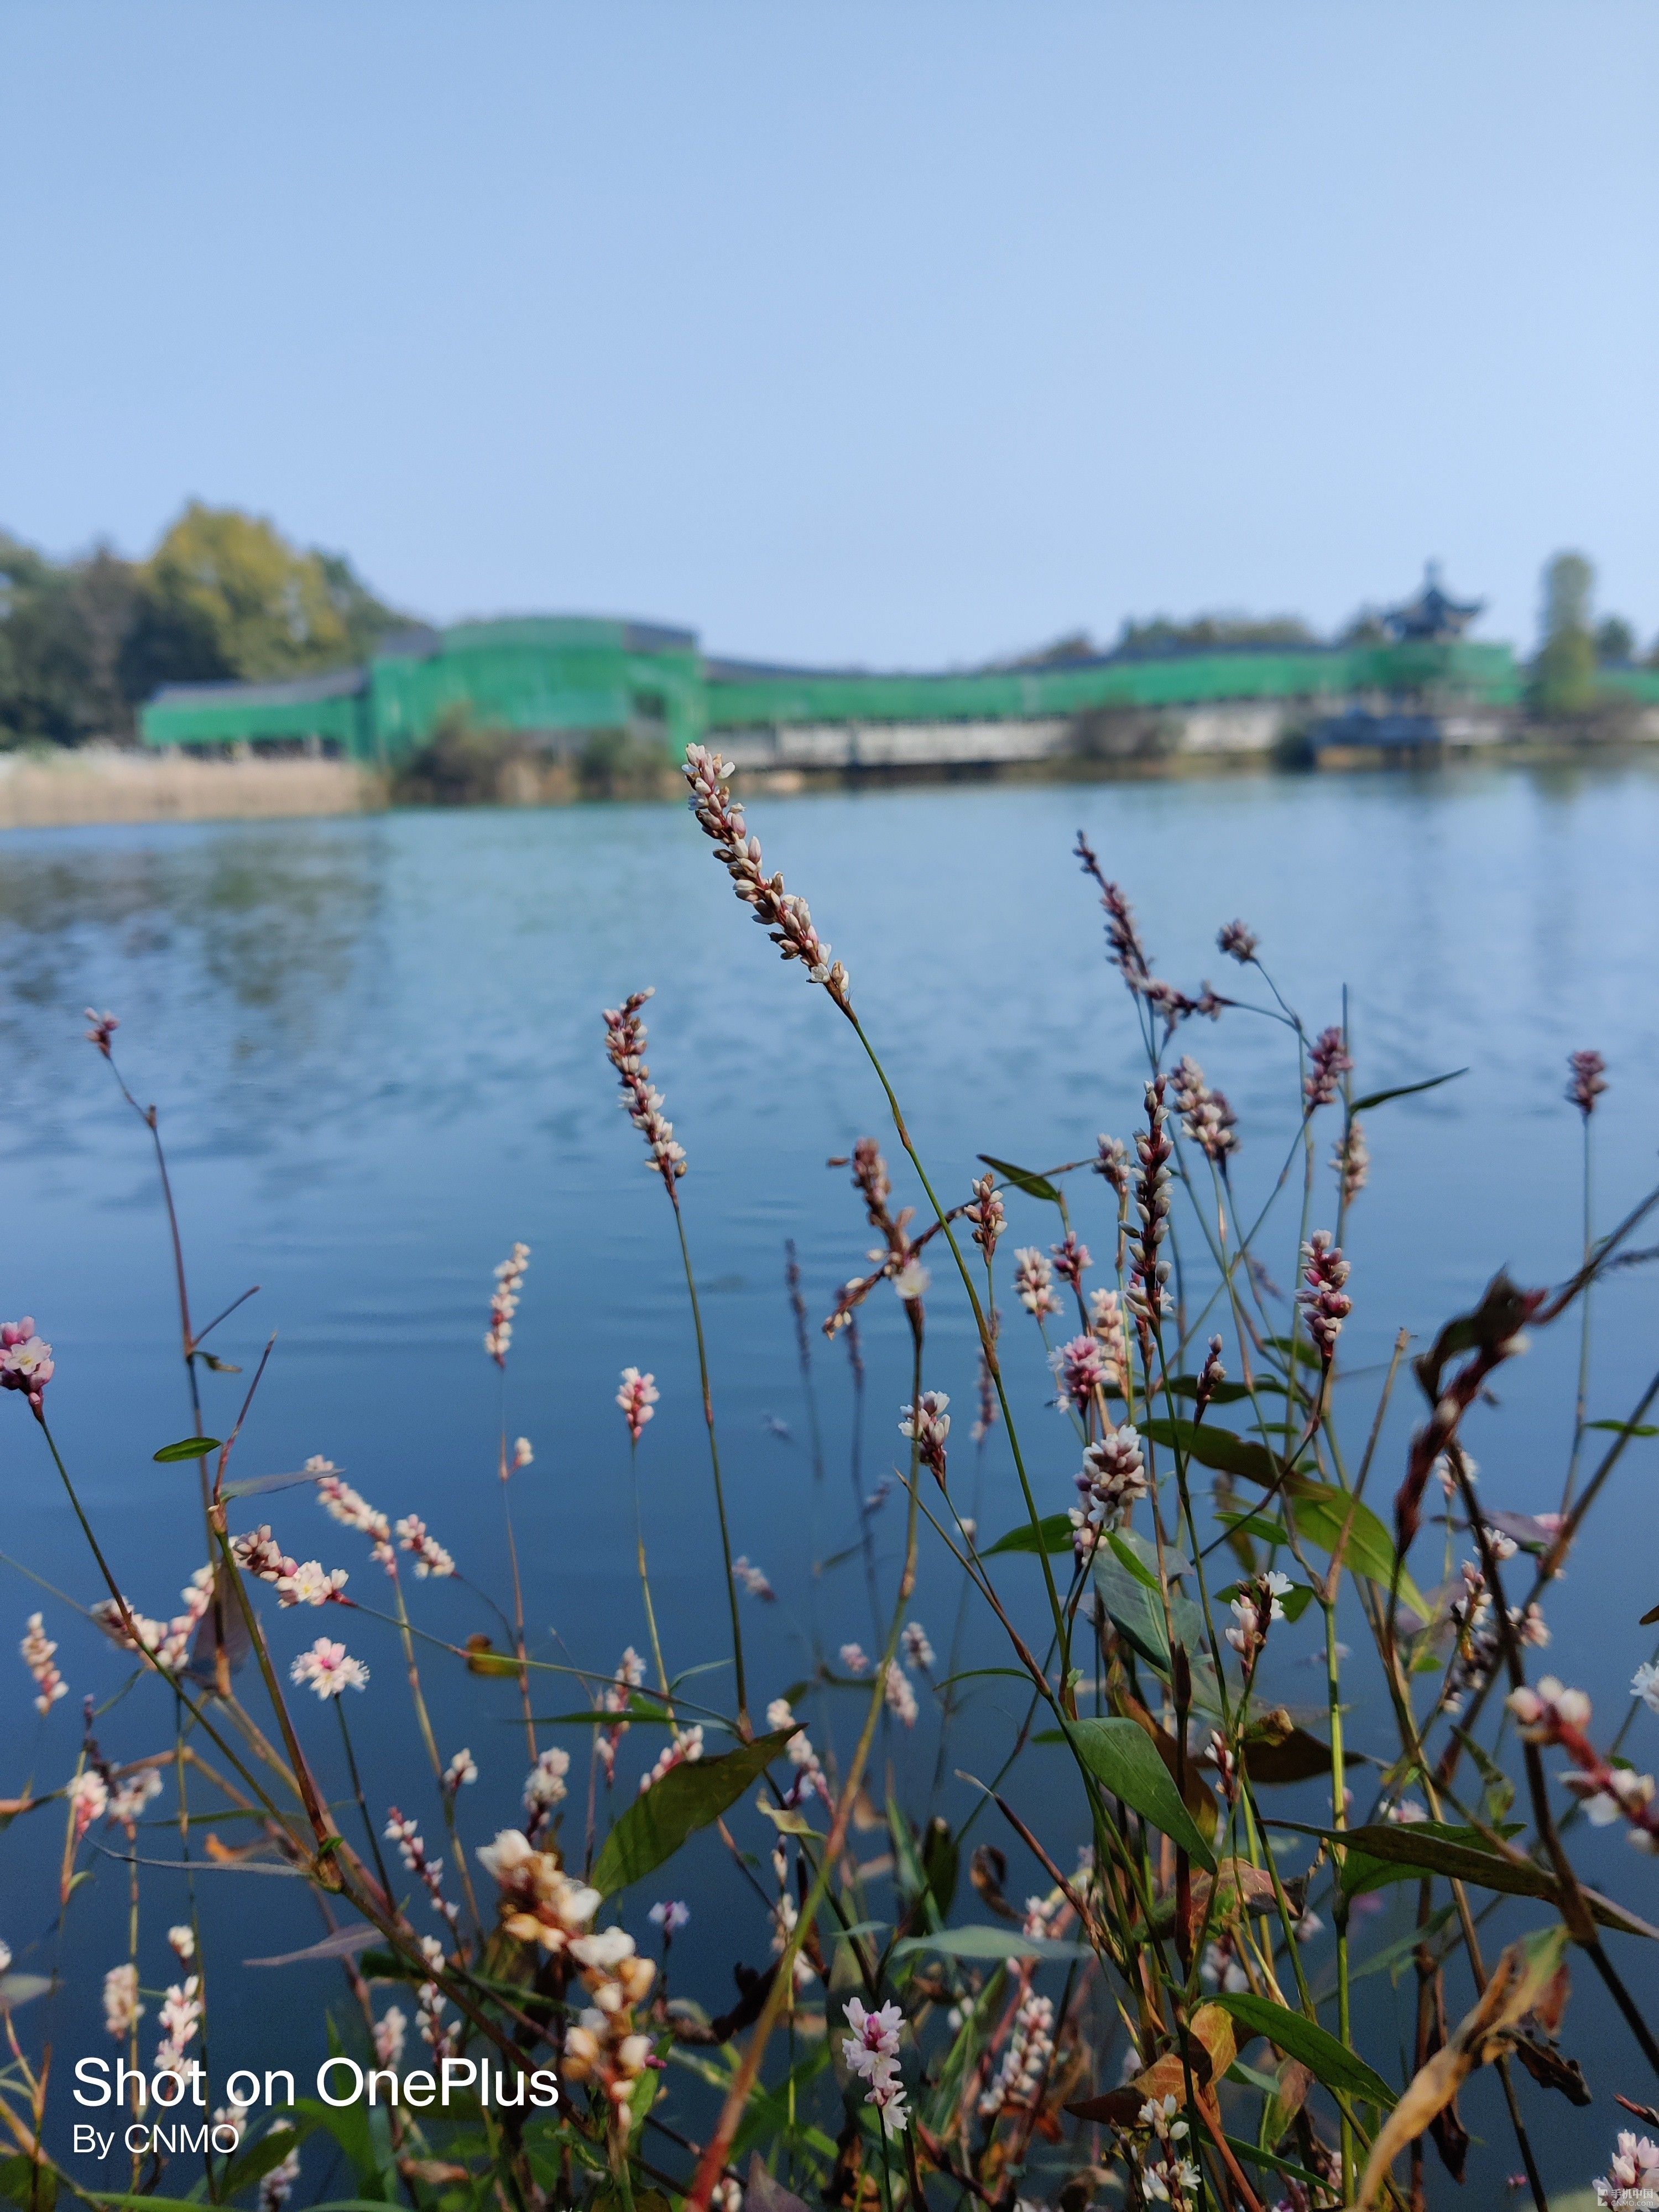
(232, 585)
(63, 631)
(1615, 641)
(83, 643)
(1209, 633)
(1564, 673)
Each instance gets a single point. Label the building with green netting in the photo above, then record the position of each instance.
(558, 682)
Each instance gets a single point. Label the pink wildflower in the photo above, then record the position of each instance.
(1034, 1282)
(1587, 1080)
(1070, 1257)
(987, 1214)
(685, 1749)
(901, 1697)
(928, 1424)
(328, 1669)
(638, 1399)
(1080, 1369)
(25, 1361)
(783, 916)
(624, 1044)
(1327, 1063)
(504, 1304)
(38, 1650)
(1324, 1300)
(430, 1557)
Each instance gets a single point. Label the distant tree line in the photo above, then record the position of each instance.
(224, 595)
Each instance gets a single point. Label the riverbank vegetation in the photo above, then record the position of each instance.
(225, 597)
(84, 642)
(1313, 1728)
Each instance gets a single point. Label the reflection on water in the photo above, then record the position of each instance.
(261, 923)
(376, 1045)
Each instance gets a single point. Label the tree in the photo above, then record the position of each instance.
(227, 586)
(61, 633)
(1615, 641)
(84, 643)
(1563, 672)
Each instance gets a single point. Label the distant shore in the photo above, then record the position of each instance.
(47, 789)
(64, 787)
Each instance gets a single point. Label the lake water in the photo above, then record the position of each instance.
(377, 1049)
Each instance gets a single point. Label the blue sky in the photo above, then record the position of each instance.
(900, 333)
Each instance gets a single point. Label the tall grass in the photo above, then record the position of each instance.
(1163, 2007)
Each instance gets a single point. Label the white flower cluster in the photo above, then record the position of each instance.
(122, 2010)
(1632, 2174)
(928, 1424)
(353, 1510)
(1112, 1483)
(167, 1641)
(1025, 2060)
(872, 2052)
(1034, 1282)
(180, 2017)
(901, 1697)
(1254, 1608)
(504, 1304)
(39, 1652)
(1206, 1115)
(1167, 2176)
(545, 1787)
(430, 1557)
(295, 1583)
(686, 1747)
(810, 1775)
(624, 1045)
(328, 1669)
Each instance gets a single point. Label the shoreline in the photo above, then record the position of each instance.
(106, 786)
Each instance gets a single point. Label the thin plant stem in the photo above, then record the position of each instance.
(715, 1463)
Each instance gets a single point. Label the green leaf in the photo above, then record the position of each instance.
(689, 1797)
(1132, 1601)
(1390, 1852)
(1266, 1531)
(1625, 1428)
(642, 1712)
(1123, 1758)
(1054, 1534)
(1321, 1513)
(1334, 2064)
(255, 1484)
(1499, 1790)
(1219, 1449)
(18, 1989)
(1142, 1573)
(1404, 1090)
(187, 1448)
(1034, 1186)
(1257, 2156)
(1003, 1943)
(1394, 1955)
(21, 2182)
(967, 1675)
